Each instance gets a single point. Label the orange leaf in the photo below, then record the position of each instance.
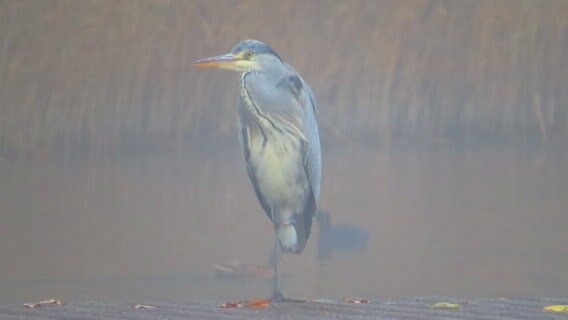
(257, 303)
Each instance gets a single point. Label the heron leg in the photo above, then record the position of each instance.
(276, 293)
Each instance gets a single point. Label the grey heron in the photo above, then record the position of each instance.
(279, 137)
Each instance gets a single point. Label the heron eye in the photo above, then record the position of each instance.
(248, 55)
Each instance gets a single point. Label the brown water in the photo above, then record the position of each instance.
(487, 221)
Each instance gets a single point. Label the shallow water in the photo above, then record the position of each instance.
(480, 221)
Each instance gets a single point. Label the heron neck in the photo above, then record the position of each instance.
(270, 76)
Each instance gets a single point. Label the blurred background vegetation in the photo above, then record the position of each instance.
(115, 75)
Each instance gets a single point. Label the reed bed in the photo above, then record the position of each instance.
(77, 75)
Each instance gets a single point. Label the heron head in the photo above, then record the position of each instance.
(245, 56)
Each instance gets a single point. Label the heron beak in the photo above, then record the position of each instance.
(224, 61)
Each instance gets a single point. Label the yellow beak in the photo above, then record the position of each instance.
(224, 61)
(227, 61)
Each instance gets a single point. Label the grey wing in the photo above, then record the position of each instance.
(304, 102)
(311, 155)
(312, 148)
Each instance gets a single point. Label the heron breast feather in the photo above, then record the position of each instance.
(277, 166)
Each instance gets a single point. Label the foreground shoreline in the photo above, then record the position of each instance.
(409, 309)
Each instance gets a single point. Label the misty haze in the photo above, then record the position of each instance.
(444, 128)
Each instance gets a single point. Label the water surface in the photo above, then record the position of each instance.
(480, 221)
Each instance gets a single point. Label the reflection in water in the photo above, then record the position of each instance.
(342, 237)
(476, 222)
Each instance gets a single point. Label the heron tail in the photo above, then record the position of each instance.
(294, 228)
(294, 235)
(293, 238)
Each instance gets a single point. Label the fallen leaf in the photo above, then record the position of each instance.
(230, 304)
(356, 301)
(142, 306)
(557, 308)
(42, 303)
(257, 304)
(445, 305)
(253, 304)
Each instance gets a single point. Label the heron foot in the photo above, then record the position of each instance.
(277, 297)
